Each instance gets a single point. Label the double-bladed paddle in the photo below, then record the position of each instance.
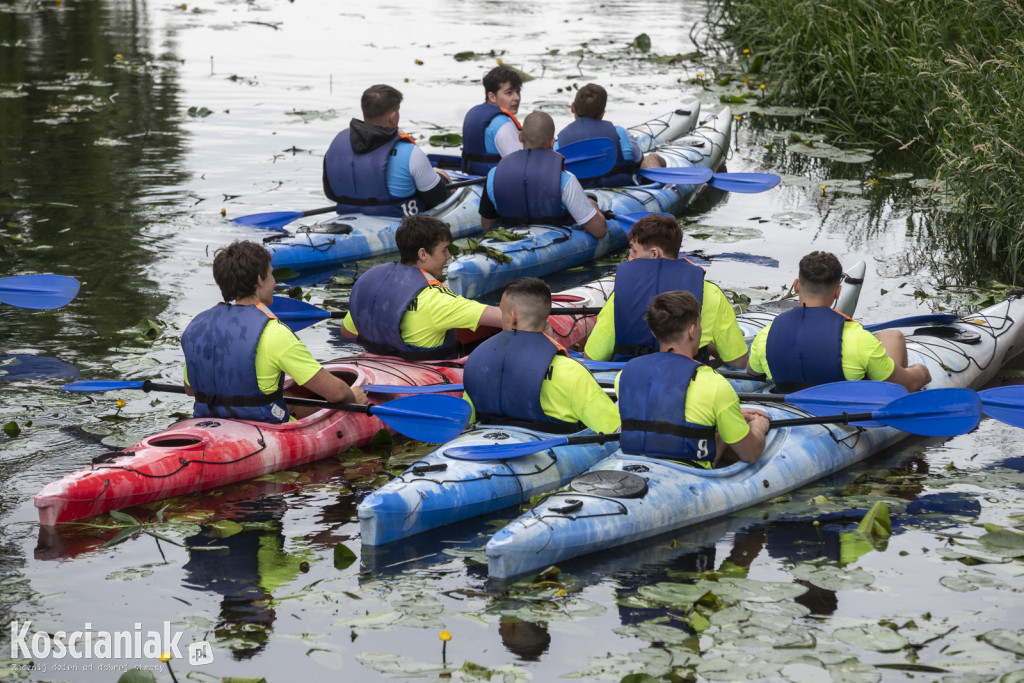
(697, 175)
(40, 292)
(434, 419)
(1005, 404)
(935, 412)
(586, 158)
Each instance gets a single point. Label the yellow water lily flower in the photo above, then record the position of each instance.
(445, 635)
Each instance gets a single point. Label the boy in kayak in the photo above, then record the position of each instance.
(813, 344)
(236, 355)
(491, 130)
(532, 186)
(675, 408)
(521, 376)
(620, 332)
(402, 309)
(588, 108)
(374, 169)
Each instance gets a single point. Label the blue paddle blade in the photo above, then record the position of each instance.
(915, 321)
(297, 314)
(696, 175)
(406, 389)
(933, 412)
(1005, 404)
(87, 385)
(433, 419)
(272, 220)
(857, 396)
(747, 183)
(27, 366)
(502, 451)
(630, 218)
(39, 292)
(602, 365)
(589, 158)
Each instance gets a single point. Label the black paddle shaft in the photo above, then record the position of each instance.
(845, 418)
(294, 400)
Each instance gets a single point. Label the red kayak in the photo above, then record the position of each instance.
(197, 454)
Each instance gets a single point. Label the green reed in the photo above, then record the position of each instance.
(941, 79)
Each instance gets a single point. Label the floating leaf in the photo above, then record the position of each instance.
(725, 98)
(148, 329)
(465, 56)
(638, 678)
(199, 112)
(833, 578)
(642, 42)
(1002, 539)
(325, 658)
(343, 556)
(12, 429)
(224, 528)
(445, 140)
(876, 527)
(137, 676)
(872, 637)
(284, 274)
(383, 442)
(852, 546)
(1005, 639)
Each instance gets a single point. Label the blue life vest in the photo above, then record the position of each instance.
(652, 404)
(476, 158)
(636, 283)
(379, 299)
(585, 128)
(805, 348)
(358, 182)
(526, 187)
(220, 357)
(503, 378)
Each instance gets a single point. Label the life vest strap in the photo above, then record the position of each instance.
(660, 427)
(239, 401)
(554, 427)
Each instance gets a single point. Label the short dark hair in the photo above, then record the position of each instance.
(531, 297)
(379, 100)
(420, 231)
(658, 230)
(499, 76)
(590, 101)
(820, 272)
(237, 267)
(538, 130)
(670, 313)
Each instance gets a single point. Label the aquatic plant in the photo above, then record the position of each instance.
(908, 78)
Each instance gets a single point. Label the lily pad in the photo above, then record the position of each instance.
(833, 578)
(445, 140)
(873, 637)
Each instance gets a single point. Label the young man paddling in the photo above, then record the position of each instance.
(814, 344)
(402, 309)
(522, 376)
(490, 130)
(236, 355)
(673, 407)
(620, 332)
(532, 186)
(372, 168)
(588, 108)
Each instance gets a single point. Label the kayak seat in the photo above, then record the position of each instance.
(956, 334)
(610, 484)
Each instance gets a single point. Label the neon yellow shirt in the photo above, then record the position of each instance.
(430, 315)
(279, 350)
(863, 354)
(571, 394)
(711, 401)
(717, 321)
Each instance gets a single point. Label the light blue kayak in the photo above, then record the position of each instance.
(439, 490)
(572, 523)
(546, 249)
(350, 237)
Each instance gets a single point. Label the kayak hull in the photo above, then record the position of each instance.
(546, 249)
(350, 237)
(679, 496)
(197, 454)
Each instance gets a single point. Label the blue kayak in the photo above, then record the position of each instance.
(350, 237)
(439, 489)
(666, 496)
(546, 249)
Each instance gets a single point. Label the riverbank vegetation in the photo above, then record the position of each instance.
(942, 79)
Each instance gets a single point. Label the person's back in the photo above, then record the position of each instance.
(813, 344)
(236, 355)
(532, 186)
(523, 377)
(588, 107)
(402, 309)
(374, 169)
(490, 130)
(620, 331)
(675, 408)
